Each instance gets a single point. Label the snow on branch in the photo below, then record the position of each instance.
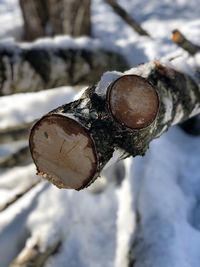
(116, 118)
(50, 63)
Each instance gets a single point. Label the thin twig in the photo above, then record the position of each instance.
(126, 17)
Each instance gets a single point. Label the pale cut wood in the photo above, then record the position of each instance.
(63, 152)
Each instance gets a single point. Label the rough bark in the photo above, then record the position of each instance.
(33, 256)
(72, 144)
(50, 17)
(126, 17)
(183, 42)
(51, 63)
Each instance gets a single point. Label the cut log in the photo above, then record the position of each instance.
(133, 101)
(118, 117)
(126, 17)
(51, 63)
(183, 42)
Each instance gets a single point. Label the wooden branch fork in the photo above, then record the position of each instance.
(112, 120)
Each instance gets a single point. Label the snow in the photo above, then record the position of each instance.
(167, 196)
(155, 207)
(33, 105)
(125, 219)
(11, 19)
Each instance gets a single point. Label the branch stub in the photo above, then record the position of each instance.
(133, 101)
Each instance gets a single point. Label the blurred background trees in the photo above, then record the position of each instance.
(55, 17)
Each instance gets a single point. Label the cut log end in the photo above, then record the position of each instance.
(63, 152)
(133, 101)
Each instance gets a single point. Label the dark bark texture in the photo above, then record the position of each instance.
(50, 17)
(52, 63)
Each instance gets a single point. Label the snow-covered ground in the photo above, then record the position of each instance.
(155, 207)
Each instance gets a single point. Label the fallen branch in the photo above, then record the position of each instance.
(119, 117)
(17, 196)
(20, 157)
(51, 63)
(126, 17)
(15, 133)
(183, 42)
(33, 257)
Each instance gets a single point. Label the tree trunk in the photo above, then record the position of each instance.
(51, 63)
(35, 18)
(118, 117)
(50, 17)
(76, 17)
